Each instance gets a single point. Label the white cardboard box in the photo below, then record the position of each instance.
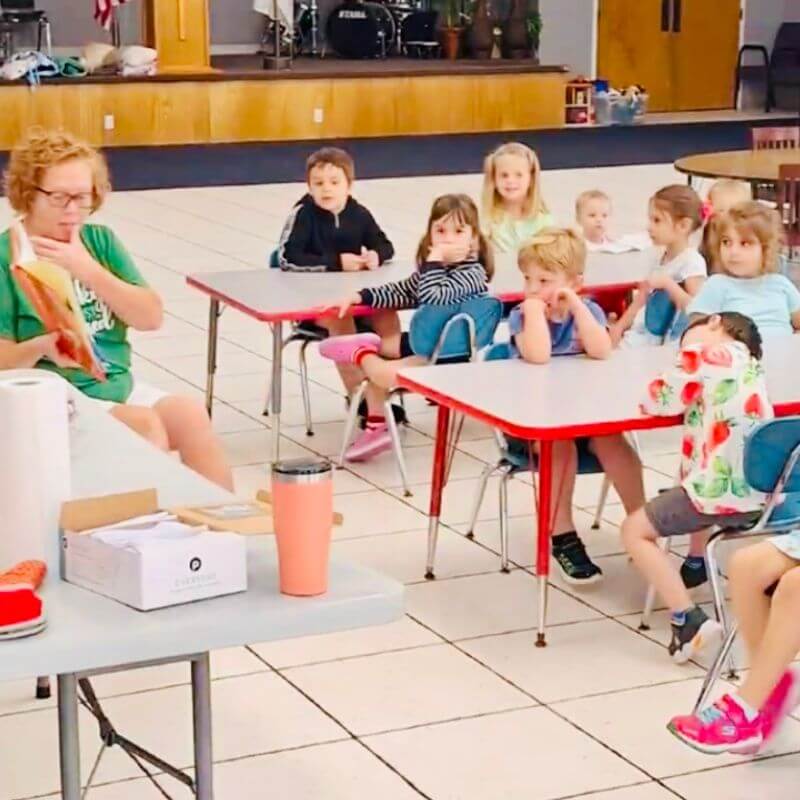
(209, 564)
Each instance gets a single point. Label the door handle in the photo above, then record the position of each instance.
(665, 15)
(677, 15)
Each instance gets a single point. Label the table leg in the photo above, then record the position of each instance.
(211, 362)
(201, 707)
(689, 180)
(545, 458)
(276, 392)
(437, 485)
(68, 742)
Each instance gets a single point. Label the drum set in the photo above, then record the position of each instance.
(361, 29)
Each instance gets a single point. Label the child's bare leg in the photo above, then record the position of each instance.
(623, 467)
(565, 469)
(780, 642)
(386, 324)
(382, 375)
(641, 542)
(697, 544)
(350, 374)
(752, 571)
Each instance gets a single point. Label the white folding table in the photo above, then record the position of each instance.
(567, 398)
(275, 297)
(89, 634)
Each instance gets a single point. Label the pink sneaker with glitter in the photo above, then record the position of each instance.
(721, 728)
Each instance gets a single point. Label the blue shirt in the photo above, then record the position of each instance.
(563, 333)
(768, 300)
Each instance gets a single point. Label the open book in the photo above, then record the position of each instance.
(51, 293)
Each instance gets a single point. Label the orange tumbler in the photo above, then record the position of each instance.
(302, 497)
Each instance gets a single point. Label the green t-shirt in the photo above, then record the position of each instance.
(19, 322)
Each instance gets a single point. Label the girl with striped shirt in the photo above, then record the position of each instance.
(454, 264)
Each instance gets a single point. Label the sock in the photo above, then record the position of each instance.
(679, 617)
(694, 562)
(374, 422)
(360, 353)
(748, 710)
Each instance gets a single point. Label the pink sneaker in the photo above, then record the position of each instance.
(370, 443)
(783, 699)
(720, 728)
(346, 349)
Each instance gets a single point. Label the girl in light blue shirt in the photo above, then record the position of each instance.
(746, 243)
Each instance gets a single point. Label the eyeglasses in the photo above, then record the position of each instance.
(84, 200)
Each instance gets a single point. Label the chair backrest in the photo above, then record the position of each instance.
(18, 5)
(788, 36)
(454, 331)
(788, 197)
(499, 351)
(778, 138)
(772, 456)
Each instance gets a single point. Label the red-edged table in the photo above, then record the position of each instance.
(568, 398)
(275, 297)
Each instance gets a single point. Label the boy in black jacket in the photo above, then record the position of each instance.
(329, 231)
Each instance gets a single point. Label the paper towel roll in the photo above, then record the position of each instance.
(35, 471)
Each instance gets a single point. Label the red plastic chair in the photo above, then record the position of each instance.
(786, 138)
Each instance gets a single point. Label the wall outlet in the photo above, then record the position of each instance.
(108, 122)
(319, 115)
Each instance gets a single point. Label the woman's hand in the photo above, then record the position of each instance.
(71, 255)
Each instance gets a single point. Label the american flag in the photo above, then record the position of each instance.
(104, 11)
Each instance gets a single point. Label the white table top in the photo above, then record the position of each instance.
(578, 396)
(271, 295)
(89, 632)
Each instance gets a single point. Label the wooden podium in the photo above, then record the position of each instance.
(179, 31)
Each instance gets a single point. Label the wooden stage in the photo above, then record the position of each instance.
(315, 99)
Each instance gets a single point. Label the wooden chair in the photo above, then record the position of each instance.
(786, 138)
(788, 197)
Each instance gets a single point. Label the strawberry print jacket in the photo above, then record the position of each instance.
(722, 392)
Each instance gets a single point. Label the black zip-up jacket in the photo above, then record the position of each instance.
(313, 239)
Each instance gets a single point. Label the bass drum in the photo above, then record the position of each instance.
(360, 30)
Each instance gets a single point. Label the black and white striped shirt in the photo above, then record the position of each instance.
(434, 284)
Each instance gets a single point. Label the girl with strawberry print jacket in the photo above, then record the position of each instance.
(719, 385)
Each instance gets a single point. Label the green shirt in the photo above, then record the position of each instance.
(19, 322)
(508, 234)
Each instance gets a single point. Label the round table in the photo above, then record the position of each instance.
(753, 166)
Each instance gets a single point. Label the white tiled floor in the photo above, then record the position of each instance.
(453, 702)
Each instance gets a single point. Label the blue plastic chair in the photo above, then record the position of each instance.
(515, 458)
(457, 332)
(771, 465)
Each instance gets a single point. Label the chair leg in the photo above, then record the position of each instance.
(352, 418)
(304, 388)
(715, 669)
(650, 597)
(43, 688)
(718, 594)
(601, 502)
(397, 446)
(503, 513)
(487, 473)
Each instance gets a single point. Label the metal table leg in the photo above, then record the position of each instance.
(201, 706)
(211, 363)
(545, 457)
(68, 742)
(437, 485)
(276, 393)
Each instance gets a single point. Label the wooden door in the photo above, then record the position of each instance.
(706, 44)
(634, 46)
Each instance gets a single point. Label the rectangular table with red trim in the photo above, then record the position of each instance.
(567, 398)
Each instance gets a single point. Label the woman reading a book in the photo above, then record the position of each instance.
(69, 291)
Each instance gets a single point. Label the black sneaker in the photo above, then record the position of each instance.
(399, 414)
(698, 633)
(576, 566)
(693, 572)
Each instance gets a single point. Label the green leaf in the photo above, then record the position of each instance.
(722, 467)
(711, 490)
(740, 487)
(694, 418)
(724, 391)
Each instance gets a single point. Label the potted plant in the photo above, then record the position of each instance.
(481, 30)
(521, 30)
(450, 17)
(534, 33)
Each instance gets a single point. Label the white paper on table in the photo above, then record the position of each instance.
(624, 244)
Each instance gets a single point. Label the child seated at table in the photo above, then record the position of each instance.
(454, 264)
(723, 195)
(675, 213)
(593, 215)
(746, 245)
(719, 385)
(328, 230)
(554, 320)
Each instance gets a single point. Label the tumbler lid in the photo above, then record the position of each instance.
(301, 469)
